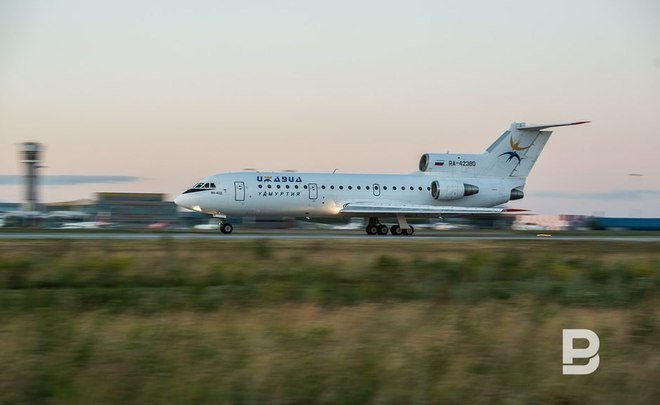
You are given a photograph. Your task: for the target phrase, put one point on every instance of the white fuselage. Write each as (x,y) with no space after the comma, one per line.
(446,184)
(324,194)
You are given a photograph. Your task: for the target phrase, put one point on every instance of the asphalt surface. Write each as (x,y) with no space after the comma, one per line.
(284,235)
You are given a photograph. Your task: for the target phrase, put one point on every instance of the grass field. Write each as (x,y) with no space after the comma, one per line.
(325,321)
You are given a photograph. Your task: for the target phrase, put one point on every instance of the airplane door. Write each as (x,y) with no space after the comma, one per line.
(313,191)
(376,189)
(239,188)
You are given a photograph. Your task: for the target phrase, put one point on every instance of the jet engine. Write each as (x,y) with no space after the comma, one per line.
(429,161)
(452,189)
(516,194)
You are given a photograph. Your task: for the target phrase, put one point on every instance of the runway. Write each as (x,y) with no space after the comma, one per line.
(322,236)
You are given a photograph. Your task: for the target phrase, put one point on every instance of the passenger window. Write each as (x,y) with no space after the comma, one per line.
(287,186)
(323,187)
(367,187)
(358,187)
(296,186)
(420,188)
(384,187)
(394,188)
(332,187)
(350,187)
(341,187)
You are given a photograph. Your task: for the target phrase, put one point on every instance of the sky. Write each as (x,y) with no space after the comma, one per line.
(147,96)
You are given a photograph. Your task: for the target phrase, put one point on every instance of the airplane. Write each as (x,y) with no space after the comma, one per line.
(446,184)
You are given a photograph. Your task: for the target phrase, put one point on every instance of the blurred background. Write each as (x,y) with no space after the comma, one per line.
(152,96)
(154,212)
(108,110)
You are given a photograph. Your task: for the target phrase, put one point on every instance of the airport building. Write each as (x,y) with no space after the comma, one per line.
(135,209)
(550,222)
(630,224)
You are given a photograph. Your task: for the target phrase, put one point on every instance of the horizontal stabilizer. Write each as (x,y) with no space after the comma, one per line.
(539,127)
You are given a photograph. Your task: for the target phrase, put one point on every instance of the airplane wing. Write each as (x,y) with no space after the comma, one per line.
(367,208)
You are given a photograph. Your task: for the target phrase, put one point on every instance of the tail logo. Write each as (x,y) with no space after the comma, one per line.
(512,155)
(516,148)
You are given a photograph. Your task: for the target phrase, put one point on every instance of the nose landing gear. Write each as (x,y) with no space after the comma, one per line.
(226,227)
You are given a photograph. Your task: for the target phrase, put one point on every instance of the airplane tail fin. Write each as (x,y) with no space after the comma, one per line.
(515,152)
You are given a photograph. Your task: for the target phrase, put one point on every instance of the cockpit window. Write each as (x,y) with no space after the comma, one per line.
(200,187)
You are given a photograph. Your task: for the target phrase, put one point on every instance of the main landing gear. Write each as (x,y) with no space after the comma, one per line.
(374,227)
(396,230)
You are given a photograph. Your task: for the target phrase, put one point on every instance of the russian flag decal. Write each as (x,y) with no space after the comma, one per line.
(439,162)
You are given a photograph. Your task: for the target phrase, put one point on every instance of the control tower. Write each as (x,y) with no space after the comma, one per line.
(30,155)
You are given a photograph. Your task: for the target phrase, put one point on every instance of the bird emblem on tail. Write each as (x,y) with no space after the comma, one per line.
(511,155)
(516,145)
(516,148)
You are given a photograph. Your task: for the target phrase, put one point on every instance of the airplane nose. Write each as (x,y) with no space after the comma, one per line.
(187,201)
(180,200)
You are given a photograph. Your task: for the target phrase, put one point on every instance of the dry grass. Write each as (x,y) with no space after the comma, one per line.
(328,322)
(423,352)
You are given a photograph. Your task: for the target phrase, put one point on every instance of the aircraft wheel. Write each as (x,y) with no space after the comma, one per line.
(382,229)
(408,232)
(372,229)
(395,230)
(226,228)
